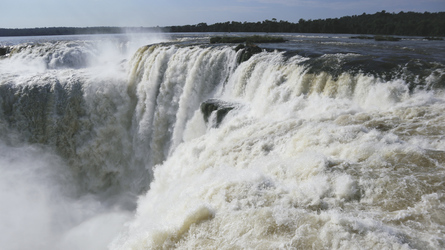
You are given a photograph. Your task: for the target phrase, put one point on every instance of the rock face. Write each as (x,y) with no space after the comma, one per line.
(4,51)
(217,107)
(248,51)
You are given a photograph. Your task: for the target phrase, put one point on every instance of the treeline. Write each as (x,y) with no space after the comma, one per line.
(381,23)
(54,31)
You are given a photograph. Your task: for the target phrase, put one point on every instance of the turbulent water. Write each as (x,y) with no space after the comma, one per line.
(161,142)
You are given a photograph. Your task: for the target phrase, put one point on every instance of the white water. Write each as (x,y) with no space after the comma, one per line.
(303,161)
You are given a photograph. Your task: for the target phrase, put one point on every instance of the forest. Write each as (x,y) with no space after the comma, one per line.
(380,23)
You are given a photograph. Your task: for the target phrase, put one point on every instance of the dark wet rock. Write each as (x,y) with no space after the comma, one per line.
(217,107)
(4,51)
(248,50)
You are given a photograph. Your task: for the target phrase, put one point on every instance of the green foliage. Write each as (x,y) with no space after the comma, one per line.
(386,38)
(362,37)
(380,23)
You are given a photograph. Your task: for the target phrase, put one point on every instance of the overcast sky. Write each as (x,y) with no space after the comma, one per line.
(148,13)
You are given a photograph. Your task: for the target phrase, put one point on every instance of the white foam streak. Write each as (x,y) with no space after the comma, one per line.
(211,69)
(307,161)
(170,83)
(302,159)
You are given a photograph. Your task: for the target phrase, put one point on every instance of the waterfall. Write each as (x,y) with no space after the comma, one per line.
(279,151)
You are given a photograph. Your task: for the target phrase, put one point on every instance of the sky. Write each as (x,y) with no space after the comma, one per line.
(152,13)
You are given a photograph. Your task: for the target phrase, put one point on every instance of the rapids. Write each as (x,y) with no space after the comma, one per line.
(108,145)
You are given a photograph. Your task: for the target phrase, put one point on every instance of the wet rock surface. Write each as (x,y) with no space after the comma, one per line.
(219,107)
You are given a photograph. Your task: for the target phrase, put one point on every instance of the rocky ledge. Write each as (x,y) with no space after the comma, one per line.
(214,111)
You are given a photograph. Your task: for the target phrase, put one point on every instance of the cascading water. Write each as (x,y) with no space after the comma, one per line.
(280,151)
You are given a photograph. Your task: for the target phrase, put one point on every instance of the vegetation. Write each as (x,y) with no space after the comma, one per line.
(362,37)
(381,23)
(378,38)
(386,38)
(246,39)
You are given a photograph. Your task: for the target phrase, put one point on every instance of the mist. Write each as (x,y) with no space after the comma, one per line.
(45,203)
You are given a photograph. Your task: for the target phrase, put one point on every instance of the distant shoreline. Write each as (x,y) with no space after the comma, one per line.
(381,23)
